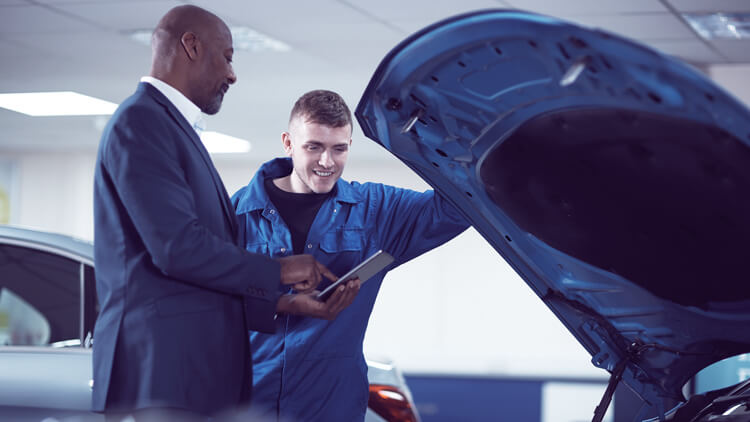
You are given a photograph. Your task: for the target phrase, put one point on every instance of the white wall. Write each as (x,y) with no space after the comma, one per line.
(55,192)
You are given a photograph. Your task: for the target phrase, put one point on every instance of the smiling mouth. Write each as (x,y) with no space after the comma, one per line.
(322,173)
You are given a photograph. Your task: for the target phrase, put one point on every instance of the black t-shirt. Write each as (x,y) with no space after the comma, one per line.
(298,210)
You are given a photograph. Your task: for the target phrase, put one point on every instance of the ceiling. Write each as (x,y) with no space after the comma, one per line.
(84,46)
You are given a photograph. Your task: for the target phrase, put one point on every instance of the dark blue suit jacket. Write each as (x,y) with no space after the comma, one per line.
(176,293)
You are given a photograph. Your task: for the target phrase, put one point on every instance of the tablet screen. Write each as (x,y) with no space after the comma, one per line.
(366,269)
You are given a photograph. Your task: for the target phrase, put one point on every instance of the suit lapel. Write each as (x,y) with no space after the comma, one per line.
(201,149)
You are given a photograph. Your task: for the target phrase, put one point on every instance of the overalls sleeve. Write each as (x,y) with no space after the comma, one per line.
(410,223)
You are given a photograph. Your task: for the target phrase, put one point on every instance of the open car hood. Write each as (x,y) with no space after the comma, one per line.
(614,179)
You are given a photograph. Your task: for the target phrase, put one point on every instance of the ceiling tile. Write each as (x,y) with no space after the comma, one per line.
(119,15)
(425,13)
(39,19)
(588,7)
(710,6)
(736,51)
(309,26)
(284,15)
(362,55)
(10,50)
(652,26)
(355,33)
(322,29)
(692,51)
(95,63)
(408,23)
(92,2)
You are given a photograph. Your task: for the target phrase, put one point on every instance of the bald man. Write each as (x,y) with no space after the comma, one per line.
(177,294)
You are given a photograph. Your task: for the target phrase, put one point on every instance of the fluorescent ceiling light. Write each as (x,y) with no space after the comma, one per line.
(219,143)
(243,38)
(720,25)
(65,103)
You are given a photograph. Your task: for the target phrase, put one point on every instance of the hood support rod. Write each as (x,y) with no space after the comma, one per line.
(614,380)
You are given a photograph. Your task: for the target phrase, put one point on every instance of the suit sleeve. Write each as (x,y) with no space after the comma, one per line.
(411,223)
(145,159)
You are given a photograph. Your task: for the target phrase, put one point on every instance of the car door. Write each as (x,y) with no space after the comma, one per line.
(46,318)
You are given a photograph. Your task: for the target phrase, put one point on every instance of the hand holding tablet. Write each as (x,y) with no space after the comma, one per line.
(366,269)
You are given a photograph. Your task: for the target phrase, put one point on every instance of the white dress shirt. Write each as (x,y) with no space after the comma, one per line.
(189,111)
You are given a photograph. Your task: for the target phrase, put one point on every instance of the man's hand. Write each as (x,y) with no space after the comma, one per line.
(303,271)
(306,304)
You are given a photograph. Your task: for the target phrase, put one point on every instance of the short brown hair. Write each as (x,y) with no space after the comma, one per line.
(322,107)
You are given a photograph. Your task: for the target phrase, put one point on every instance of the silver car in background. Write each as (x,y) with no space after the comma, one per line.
(48,307)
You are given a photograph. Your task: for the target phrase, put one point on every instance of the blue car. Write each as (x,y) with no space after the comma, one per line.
(614,179)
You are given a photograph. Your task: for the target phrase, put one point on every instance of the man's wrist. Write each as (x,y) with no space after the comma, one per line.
(282,306)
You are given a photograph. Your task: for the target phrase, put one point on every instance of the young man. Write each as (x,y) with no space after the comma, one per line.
(177,293)
(311,369)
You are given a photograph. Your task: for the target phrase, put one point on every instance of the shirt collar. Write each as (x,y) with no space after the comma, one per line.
(254,197)
(191,112)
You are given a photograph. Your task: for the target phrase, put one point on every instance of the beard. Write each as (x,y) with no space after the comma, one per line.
(212,107)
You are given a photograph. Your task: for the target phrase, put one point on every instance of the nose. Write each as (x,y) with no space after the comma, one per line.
(325,159)
(231,77)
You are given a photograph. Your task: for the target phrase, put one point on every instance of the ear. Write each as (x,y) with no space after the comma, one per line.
(191,45)
(286,143)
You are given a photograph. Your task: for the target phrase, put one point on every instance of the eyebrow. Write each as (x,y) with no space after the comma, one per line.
(318,143)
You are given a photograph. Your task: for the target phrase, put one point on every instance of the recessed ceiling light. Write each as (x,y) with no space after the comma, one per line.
(219,143)
(243,38)
(720,25)
(64,103)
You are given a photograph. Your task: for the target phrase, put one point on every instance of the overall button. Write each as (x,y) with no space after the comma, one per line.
(309,246)
(283,250)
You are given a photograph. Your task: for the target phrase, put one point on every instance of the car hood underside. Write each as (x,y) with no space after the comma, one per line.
(612,178)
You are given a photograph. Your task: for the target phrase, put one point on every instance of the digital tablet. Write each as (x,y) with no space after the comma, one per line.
(366,269)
